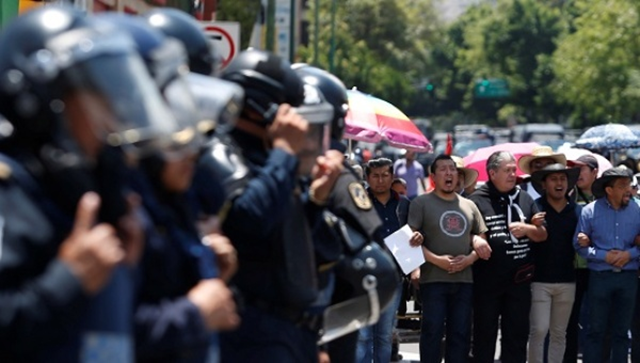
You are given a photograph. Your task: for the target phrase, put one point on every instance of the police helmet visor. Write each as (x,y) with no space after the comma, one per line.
(219,103)
(108,66)
(319,114)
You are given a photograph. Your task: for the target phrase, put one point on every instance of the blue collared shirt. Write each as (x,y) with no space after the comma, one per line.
(608,229)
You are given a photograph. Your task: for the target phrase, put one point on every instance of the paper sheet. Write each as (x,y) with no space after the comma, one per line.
(408,257)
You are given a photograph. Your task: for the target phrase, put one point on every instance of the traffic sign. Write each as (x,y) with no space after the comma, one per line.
(492,88)
(225,36)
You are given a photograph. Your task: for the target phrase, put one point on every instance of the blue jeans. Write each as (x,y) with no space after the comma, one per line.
(374,342)
(451,303)
(612,298)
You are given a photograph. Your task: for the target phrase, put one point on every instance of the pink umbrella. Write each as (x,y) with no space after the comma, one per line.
(478,160)
(372,119)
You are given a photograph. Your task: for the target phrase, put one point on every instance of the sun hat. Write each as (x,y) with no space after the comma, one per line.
(598,187)
(540,152)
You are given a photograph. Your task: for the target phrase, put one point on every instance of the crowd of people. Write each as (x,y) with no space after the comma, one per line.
(536,257)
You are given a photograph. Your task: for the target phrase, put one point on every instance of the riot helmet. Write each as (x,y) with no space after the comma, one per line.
(334,92)
(180,25)
(59,68)
(166,61)
(267,80)
(219,103)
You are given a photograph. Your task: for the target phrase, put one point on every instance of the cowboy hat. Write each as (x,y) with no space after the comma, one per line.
(598,186)
(540,152)
(470,175)
(538,177)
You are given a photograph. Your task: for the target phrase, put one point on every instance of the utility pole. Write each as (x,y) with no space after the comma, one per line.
(316,31)
(332,50)
(271,14)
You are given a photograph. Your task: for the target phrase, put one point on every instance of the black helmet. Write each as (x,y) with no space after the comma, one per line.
(180,25)
(54,57)
(268,81)
(334,92)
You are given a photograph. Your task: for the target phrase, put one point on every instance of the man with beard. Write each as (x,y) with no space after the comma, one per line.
(446,278)
(605,237)
(553,287)
(502,284)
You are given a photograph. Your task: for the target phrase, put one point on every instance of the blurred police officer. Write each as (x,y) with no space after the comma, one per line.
(181,299)
(266,222)
(69,86)
(361,231)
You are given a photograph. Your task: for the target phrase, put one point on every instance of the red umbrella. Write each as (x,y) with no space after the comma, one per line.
(478,160)
(372,119)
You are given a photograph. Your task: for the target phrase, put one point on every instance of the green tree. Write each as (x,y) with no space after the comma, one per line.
(596,66)
(380,46)
(512,41)
(243,11)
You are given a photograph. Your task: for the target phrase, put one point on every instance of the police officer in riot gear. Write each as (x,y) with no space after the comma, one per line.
(182,300)
(77,96)
(360,293)
(266,222)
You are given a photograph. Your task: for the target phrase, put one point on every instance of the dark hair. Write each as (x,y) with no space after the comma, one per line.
(433,166)
(379,163)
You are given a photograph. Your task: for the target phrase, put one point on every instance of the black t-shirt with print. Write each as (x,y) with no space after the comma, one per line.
(508,253)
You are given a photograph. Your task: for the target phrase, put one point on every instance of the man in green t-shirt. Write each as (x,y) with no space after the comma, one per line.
(450,225)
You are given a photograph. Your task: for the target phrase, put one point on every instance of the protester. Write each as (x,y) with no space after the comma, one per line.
(399,185)
(412,172)
(605,237)
(467,178)
(553,286)
(446,281)
(502,284)
(374,342)
(540,157)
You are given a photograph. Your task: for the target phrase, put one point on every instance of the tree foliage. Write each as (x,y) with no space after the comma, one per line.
(574,60)
(597,65)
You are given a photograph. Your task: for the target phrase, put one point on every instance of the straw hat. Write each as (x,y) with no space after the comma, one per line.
(470,175)
(540,152)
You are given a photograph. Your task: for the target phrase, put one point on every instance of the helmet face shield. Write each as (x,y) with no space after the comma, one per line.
(107,66)
(317,140)
(218,102)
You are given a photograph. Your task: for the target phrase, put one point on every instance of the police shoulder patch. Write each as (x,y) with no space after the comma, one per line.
(359,196)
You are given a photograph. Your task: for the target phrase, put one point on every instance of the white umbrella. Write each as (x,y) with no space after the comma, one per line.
(573,154)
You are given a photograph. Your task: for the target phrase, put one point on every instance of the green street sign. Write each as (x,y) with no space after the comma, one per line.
(492,88)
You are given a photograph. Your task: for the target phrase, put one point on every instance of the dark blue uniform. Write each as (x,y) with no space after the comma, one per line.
(45,314)
(168,326)
(267,213)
